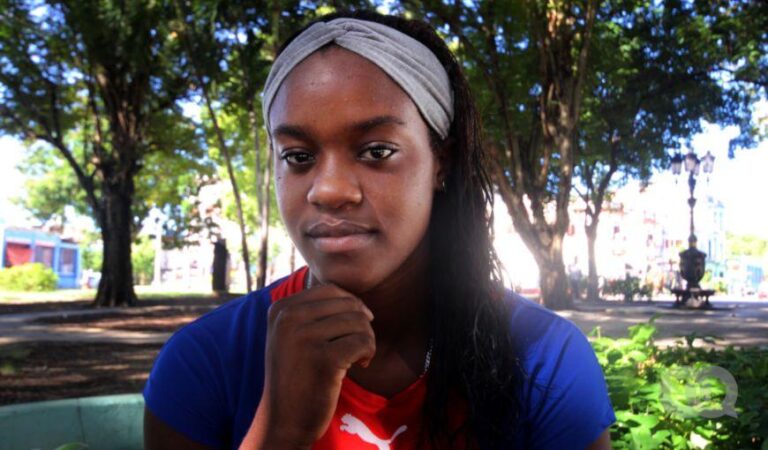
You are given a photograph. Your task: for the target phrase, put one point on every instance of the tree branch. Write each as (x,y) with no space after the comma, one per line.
(491,74)
(583,56)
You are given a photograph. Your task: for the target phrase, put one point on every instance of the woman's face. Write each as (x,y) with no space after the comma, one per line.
(354,170)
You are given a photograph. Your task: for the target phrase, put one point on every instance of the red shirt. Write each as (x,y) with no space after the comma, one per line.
(364,420)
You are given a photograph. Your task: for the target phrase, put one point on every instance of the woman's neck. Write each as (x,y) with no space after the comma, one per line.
(400,306)
(400,302)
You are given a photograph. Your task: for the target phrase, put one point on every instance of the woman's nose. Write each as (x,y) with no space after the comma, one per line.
(335,184)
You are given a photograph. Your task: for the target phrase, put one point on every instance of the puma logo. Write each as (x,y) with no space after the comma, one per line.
(353,425)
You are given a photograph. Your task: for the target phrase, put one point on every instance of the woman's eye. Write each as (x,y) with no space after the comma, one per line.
(297,158)
(376,153)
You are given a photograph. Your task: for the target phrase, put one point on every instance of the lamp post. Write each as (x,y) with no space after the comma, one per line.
(692,260)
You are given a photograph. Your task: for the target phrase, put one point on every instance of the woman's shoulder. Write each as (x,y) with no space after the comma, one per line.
(196,382)
(564,391)
(533,325)
(549,346)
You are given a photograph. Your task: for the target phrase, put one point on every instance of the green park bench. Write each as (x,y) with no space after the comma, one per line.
(113,422)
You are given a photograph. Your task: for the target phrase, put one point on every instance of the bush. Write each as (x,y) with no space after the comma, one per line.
(32,277)
(629,288)
(663,397)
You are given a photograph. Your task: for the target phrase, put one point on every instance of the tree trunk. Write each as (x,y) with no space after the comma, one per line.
(264,247)
(593,290)
(554,287)
(116,284)
(553,279)
(204,87)
(233,182)
(535,172)
(263,179)
(596,194)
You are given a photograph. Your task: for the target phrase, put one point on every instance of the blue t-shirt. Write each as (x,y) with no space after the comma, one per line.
(207,380)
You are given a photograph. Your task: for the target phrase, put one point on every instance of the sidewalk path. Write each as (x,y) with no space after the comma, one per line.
(15,328)
(738,323)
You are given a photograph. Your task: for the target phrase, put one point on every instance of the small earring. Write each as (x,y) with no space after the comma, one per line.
(443,185)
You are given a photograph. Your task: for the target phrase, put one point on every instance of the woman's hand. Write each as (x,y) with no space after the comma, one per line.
(313,338)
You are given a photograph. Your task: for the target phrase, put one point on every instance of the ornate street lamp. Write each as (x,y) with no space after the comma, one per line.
(677,163)
(692,260)
(691,162)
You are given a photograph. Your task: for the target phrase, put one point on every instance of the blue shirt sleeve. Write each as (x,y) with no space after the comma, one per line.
(565,393)
(184,388)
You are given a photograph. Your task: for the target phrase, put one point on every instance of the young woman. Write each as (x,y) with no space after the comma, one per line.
(398,334)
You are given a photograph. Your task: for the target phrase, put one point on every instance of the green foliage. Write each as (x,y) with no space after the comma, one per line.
(721,287)
(91,258)
(100,82)
(658,395)
(653,80)
(629,288)
(745,245)
(645,77)
(31,277)
(168,181)
(235,127)
(658,73)
(50,186)
(143,260)
(72,446)
(91,250)
(718,284)
(231,48)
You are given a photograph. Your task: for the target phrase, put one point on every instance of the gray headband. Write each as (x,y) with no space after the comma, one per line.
(410,63)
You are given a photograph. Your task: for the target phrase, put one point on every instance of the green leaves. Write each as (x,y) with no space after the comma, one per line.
(642,333)
(30,277)
(72,446)
(659,394)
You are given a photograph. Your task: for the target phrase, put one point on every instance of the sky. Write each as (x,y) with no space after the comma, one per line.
(11,182)
(740,183)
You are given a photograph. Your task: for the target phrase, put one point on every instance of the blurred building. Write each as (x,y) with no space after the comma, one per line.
(642,230)
(190,267)
(62,254)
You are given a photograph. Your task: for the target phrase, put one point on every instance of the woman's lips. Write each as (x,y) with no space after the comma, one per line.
(339,237)
(342,244)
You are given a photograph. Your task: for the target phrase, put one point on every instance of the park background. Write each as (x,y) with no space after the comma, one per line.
(133,130)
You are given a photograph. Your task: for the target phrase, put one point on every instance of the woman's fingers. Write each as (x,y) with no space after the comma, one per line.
(316,310)
(325,333)
(313,338)
(353,348)
(317,304)
(338,325)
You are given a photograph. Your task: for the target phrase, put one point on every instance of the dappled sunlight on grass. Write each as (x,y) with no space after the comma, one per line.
(59,295)
(71,295)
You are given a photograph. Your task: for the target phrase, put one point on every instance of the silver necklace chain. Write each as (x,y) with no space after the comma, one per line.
(427,358)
